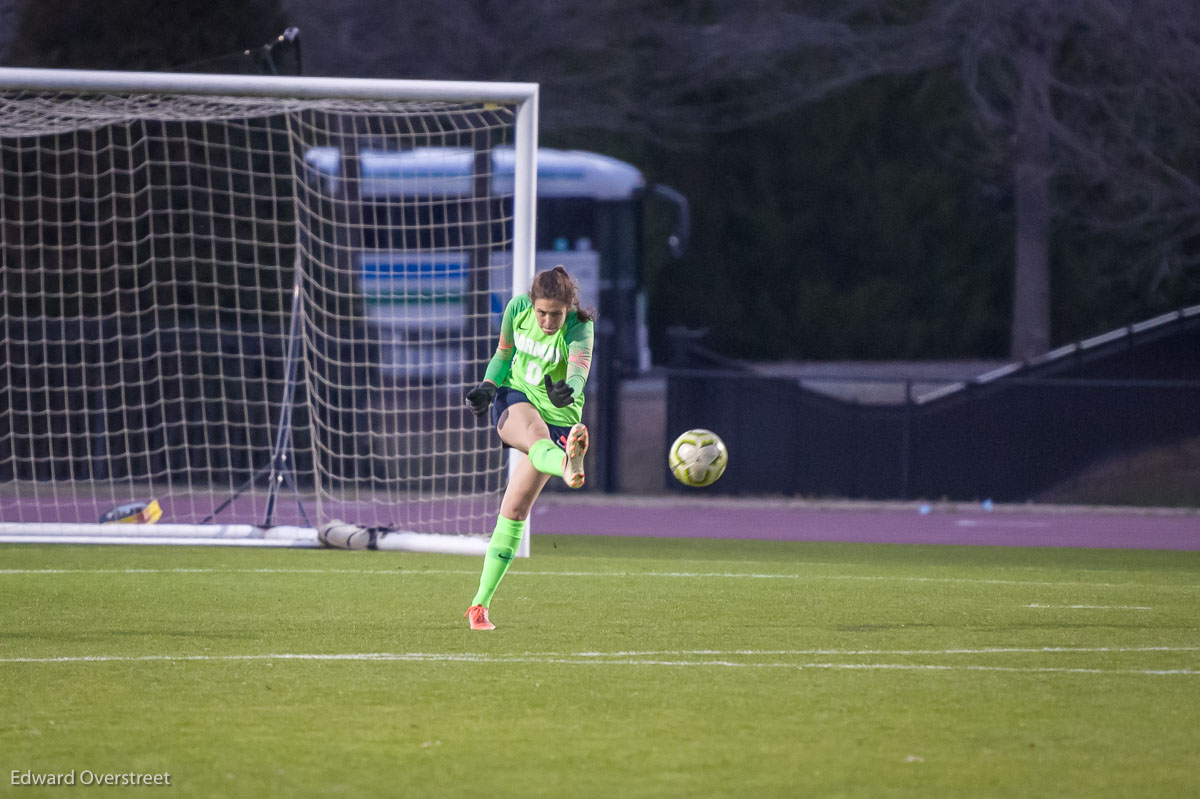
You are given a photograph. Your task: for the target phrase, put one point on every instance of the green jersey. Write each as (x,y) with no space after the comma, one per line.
(525,355)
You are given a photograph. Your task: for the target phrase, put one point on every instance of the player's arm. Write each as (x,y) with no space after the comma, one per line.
(480,397)
(579,365)
(579,356)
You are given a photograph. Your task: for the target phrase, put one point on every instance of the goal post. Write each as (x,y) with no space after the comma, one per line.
(257,301)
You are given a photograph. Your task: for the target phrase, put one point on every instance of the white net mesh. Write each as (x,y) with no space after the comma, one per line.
(149,254)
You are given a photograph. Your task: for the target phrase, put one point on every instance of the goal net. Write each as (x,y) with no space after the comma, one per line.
(245,304)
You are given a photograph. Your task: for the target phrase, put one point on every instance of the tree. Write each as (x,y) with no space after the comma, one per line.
(1088,107)
(1092,107)
(153,172)
(1098,104)
(139,34)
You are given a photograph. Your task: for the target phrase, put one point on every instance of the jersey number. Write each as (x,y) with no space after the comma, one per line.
(533,373)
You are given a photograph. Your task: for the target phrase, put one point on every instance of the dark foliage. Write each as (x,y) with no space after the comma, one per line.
(140,34)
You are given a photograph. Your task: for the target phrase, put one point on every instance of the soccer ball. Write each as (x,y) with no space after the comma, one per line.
(698,458)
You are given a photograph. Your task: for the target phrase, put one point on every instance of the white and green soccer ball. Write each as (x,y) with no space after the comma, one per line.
(698,458)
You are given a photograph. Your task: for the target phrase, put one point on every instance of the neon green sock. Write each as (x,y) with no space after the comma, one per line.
(546,457)
(500,552)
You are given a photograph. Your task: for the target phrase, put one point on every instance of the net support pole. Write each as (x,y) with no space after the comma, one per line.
(281,469)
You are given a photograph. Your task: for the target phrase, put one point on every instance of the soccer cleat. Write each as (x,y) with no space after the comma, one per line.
(577,443)
(477,615)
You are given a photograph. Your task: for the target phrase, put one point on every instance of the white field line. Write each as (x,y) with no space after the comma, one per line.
(990,650)
(1089,607)
(612,574)
(575,660)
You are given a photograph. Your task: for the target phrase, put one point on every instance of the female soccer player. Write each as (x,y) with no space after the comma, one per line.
(534,386)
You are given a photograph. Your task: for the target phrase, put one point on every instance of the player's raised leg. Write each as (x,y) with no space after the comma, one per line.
(522,428)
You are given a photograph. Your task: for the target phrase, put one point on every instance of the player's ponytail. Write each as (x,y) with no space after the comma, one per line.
(556,284)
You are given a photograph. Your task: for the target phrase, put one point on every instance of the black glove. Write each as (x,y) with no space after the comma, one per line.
(560,393)
(480,398)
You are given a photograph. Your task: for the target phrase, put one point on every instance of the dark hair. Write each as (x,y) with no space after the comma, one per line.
(556,284)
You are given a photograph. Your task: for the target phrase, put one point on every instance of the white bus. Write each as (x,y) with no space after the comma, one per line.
(414,271)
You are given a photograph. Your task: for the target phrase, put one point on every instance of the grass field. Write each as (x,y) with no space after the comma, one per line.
(621,668)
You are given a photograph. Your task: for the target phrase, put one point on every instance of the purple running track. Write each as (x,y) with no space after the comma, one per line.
(769,520)
(1016,526)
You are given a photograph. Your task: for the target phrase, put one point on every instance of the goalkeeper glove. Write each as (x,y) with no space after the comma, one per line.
(480,398)
(560,393)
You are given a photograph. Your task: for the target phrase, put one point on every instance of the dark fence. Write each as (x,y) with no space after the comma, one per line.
(1007,437)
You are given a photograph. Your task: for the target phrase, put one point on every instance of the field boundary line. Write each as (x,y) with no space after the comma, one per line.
(577,660)
(613,574)
(990,650)
(1038,606)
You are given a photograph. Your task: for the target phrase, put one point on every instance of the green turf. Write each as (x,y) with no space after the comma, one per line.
(621,668)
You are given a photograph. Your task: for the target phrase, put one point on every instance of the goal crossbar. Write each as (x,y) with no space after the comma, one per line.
(107,81)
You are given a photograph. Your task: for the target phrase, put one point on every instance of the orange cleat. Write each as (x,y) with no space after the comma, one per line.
(477,615)
(577,444)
